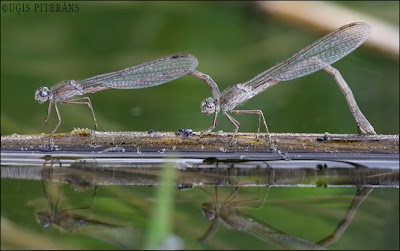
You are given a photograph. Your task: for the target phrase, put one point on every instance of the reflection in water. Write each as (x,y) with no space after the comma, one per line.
(79,180)
(72,222)
(129,178)
(229,214)
(361,195)
(85,174)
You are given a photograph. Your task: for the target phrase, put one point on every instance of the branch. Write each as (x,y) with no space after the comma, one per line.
(87,140)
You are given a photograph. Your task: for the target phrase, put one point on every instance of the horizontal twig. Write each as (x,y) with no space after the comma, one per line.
(87,140)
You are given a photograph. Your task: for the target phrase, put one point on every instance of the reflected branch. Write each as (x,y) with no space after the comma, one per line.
(87,173)
(239,221)
(229,214)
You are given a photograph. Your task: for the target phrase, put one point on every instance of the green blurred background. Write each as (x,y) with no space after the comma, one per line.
(233,41)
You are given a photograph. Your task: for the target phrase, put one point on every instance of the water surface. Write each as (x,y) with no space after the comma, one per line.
(190,201)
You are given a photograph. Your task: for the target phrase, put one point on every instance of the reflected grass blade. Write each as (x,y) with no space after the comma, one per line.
(160,227)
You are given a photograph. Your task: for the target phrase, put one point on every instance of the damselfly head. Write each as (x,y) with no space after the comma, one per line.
(208,210)
(44,218)
(208,106)
(42,95)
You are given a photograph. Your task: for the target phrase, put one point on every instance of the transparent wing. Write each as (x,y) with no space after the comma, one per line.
(318,55)
(145,75)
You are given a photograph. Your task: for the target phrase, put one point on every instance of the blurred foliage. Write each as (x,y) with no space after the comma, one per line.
(233,41)
(385,10)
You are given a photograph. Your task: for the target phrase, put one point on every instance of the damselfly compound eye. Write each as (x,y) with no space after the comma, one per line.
(42,95)
(208,106)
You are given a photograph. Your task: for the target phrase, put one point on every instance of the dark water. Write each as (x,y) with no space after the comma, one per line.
(190,201)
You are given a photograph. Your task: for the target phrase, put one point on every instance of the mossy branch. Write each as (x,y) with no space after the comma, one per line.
(87,140)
